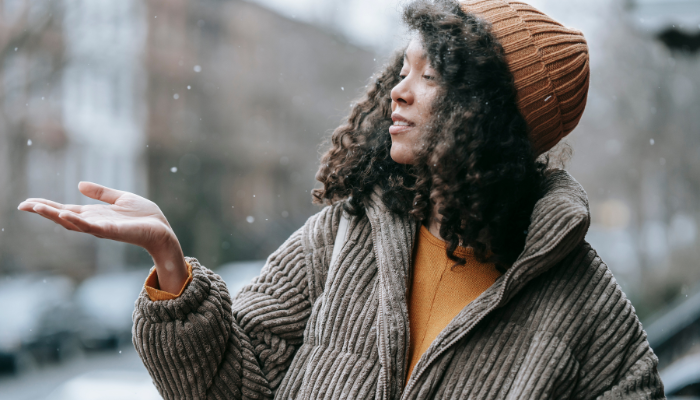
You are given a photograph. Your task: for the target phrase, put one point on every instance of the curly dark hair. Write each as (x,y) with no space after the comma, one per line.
(475,161)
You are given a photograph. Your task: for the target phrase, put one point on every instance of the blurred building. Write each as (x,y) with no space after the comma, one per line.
(637,149)
(240,99)
(104,110)
(32,52)
(83,119)
(674,331)
(215,110)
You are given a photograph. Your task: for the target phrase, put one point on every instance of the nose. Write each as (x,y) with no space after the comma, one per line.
(402,93)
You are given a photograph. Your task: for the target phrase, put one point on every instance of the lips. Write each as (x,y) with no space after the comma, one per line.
(400,125)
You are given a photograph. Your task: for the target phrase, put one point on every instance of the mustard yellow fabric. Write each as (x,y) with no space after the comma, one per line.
(153,288)
(440,291)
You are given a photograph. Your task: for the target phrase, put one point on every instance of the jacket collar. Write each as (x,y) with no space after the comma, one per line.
(559,222)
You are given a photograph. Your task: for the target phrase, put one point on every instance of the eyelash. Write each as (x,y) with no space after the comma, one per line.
(428,77)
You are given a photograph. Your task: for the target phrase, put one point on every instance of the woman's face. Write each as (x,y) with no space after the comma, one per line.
(411,100)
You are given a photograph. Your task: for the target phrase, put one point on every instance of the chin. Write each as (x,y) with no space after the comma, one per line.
(401,154)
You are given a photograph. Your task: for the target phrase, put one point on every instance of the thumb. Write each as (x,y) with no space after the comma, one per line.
(99,192)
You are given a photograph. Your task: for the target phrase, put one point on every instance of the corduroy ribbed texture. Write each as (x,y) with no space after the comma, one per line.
(549,63)
(556,325)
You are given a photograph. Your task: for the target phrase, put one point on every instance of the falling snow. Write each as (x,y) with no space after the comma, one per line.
(250,219)
(197,68)
(173,170)
(29,142)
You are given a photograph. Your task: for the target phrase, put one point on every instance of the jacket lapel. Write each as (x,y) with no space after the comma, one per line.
(393,239)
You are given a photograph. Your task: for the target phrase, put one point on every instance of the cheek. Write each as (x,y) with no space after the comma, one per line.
(424,101)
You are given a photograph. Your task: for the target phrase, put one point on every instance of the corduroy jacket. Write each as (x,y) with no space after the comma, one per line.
(555,326)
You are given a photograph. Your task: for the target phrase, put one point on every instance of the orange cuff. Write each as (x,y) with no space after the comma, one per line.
(153,288)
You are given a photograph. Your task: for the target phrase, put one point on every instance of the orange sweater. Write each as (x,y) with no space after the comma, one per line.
(439,292)
(153,287)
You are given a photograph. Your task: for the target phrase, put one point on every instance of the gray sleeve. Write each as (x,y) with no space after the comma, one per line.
(204,345)
(617,361)
(640,381)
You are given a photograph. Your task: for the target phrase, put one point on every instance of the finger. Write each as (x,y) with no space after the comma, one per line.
(80,223)
(27,206)
(99,192)
(70,207)
(52,214)
(67,225)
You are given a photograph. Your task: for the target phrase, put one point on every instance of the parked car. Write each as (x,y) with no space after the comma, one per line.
(238,274)
(107,385)
(107,302)
(36,321)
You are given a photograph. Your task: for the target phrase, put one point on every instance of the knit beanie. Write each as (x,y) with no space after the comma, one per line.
(549,63)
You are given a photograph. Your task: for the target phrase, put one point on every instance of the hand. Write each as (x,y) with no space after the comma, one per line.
(125,218)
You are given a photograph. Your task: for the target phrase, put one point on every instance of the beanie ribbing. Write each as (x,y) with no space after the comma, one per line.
(549,63)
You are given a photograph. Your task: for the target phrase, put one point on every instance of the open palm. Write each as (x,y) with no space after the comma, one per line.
(126,217)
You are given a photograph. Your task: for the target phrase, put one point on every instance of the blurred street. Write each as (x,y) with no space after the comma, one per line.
(41,383)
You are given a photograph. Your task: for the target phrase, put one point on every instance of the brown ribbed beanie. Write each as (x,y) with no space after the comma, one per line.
(549,63)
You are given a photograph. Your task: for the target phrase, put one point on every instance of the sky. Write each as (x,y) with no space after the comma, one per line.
(376,24)
(373,24)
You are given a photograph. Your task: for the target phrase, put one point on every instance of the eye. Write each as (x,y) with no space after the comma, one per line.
(402,77)
(428,77)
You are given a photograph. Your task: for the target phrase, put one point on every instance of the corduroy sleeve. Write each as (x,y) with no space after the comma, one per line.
(640,381)
(203,345)
(618,362)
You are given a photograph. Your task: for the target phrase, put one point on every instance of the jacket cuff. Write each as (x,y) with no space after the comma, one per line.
(153,288)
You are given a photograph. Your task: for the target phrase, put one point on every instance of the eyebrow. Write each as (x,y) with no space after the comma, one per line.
(424,56)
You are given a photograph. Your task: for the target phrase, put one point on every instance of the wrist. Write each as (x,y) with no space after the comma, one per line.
(171,267)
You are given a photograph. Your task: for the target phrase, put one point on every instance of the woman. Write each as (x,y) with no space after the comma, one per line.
(463,272)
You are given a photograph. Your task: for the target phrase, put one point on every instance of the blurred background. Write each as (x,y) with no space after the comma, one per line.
(217,111)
